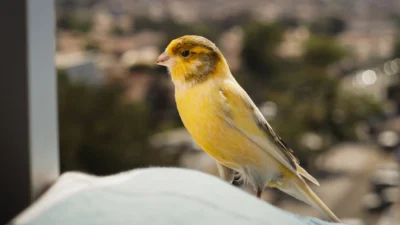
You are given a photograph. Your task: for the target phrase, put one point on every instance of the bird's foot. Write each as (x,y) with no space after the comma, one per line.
(237,181)
(259,192)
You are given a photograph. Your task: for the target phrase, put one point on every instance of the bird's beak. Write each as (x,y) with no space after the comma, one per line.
(163,59)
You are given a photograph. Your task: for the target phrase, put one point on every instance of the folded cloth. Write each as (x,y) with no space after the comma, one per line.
(154,196)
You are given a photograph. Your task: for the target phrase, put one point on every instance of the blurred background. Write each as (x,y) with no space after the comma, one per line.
(324,73)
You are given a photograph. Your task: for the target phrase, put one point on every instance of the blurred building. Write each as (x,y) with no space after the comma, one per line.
(139,63)
(374,81)
(79,66)
(369,39)
(69,42)
(231,46)
(292,45)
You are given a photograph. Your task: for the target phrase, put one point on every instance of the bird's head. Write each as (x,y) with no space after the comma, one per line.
(193,59)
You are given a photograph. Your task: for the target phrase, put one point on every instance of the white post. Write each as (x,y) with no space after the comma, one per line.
(29,159)
(42,95)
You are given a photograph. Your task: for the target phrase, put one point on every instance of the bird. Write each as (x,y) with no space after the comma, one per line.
(225,122)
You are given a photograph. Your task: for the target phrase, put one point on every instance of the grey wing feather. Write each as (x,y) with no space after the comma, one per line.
(264,125)
(287,152)
(284,154)
(280,151)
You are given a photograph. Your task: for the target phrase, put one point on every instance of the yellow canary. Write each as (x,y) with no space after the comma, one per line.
(225,122)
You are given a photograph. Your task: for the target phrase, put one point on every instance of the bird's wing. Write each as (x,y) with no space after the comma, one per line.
(238,108)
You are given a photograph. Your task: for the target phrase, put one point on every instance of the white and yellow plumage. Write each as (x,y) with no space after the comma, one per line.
(224,122)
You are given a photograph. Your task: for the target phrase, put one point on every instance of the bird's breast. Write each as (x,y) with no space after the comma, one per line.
(201,112)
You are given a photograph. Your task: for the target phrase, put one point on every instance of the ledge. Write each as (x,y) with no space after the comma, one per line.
(152,196)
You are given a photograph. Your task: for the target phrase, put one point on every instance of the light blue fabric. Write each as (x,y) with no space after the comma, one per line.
(166,196)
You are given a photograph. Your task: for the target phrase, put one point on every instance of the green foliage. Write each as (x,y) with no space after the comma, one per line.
(395,18)
(100,133)
(311,101)
(322,51)
(306,95)
(259,49)
(305,104)
(174,30)
(144,23)
(288,22)
(330,26)
(351,109)
(117,31)
(396,49)
(237,19)
(73,22)
(92,45)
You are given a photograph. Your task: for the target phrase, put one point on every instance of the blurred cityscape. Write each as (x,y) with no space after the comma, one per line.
(324,73)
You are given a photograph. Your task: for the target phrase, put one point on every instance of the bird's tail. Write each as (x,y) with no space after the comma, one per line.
(299,189)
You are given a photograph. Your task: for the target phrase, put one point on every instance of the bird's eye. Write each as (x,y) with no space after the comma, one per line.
(185,53)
